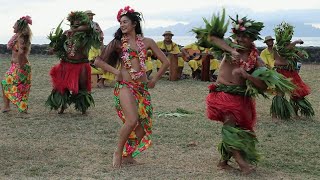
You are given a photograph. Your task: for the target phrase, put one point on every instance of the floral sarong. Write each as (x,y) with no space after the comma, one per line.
(143,99)
(16,85)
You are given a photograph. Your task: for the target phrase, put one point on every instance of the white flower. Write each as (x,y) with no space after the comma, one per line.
(247,24)
(123,12)
(237,26)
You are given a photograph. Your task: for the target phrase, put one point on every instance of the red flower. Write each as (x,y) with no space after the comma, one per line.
(212,87)
(27,19)
(124,11)
(133,53)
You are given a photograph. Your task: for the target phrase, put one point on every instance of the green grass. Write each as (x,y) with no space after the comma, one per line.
(43,144)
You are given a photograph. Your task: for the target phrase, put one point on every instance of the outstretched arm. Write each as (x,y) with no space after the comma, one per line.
(69,32)
(294,43)
(81,28)
(223,45)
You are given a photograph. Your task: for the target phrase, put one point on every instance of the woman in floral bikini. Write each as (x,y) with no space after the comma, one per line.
(17,80)
(132,99)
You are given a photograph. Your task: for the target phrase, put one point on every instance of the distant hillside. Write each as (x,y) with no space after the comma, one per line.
(299,18)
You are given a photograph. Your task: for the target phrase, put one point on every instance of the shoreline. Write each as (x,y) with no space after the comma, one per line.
(42,49)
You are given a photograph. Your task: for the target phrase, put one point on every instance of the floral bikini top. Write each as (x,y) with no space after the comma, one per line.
(128,54)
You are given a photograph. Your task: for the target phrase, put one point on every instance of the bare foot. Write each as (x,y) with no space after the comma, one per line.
(5,110)
(84,113)
(297,117)
(247,170)
(275,120)
(223,165)
(244,166)
(129,160)
(116,162)
(61,110)
(100,84)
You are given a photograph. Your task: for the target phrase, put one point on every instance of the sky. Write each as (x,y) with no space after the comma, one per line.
(47,14)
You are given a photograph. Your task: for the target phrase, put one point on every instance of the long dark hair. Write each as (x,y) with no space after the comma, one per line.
(135,17)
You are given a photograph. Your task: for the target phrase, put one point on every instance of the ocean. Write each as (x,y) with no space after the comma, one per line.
(181,40)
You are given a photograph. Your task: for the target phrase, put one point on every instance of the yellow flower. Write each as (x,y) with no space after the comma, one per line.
(9,80)
(14,89)
(132,135)
(142,111)
(23,106)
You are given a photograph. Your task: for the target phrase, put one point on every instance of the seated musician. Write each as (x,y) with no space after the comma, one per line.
(168,46)
(193,53)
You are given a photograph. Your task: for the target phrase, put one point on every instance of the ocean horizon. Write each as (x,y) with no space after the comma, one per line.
(181,40)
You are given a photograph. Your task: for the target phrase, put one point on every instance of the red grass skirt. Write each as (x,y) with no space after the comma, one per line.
(241,108)
(66,76)
(302,89)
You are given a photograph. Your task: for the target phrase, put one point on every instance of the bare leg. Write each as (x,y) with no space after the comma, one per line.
(6,102)
(180,70)
(223,164)
(244,166)
(62,110)
(83,81)
(130,111)
(295,108)
(149,73)
(213,77)
(139,133)
(101,83)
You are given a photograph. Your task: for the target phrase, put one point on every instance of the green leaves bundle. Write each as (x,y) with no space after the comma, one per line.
(283,34)
(216,26)
(86,39)
(57,42)
(273,80)
(57,100)
(234,138)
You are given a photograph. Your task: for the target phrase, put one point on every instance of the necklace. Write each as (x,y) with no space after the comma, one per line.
(128,54)
(251,61)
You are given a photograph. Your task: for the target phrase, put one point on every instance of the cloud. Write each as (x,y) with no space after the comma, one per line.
(47,14)
(314,25)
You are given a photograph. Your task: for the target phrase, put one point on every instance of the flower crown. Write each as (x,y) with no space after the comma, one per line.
(246,26)
(78,15)
(24,21)
(124,11)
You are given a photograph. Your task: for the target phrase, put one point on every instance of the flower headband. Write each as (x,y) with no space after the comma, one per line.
(24,21)
(246,26)
(124,11)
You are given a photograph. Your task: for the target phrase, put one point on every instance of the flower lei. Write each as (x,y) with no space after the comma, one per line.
(252,60)
(12,42)
(71,47)
(128,54)
(124,11)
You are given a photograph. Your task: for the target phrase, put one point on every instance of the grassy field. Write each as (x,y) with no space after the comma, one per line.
(45,145)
